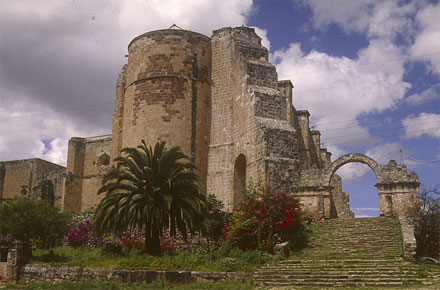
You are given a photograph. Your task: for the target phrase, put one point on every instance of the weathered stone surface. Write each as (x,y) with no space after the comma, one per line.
(44,272)
(32,178)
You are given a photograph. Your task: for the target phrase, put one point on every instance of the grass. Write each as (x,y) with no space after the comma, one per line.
(110,285)
(223,259)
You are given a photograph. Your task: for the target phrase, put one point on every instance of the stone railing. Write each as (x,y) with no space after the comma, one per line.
(409,240)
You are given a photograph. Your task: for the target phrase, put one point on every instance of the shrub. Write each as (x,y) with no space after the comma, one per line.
(33,221)
(263,219)
(217,216)
(83,235)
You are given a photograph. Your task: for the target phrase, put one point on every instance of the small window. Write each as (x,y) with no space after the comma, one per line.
(23,190)
(103,160)
(3,255)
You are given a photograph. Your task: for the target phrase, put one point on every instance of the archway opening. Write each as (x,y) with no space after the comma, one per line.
(239,178)
(354,192)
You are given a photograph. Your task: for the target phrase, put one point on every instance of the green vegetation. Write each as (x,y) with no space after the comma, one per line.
(152,189)
(222,259)
(33,221)
(424,215)
(109,285)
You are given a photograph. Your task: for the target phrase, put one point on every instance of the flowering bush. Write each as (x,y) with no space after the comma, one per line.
(264,219)
(130,244)
(83,235)
(166,246)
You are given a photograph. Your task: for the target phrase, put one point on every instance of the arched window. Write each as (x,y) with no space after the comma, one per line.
(239,178)
(103,160)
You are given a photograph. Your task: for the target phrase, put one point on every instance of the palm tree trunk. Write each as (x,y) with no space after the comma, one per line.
(152,240)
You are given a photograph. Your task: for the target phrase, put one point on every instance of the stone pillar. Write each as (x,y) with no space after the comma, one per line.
(18,254)
(303,120)
(286,89)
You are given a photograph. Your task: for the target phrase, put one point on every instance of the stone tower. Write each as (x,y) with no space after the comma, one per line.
(163,94)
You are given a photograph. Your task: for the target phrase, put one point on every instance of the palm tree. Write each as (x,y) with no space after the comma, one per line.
(151,190)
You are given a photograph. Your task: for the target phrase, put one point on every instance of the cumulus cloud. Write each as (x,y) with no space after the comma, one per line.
(425,96)
(422,124)
(63,58)
(351,86)
(368,83)
(427,43)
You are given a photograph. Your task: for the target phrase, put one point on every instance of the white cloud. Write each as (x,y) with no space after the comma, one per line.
(263,34)
(349,87)
(424,123)
(425,96)
(427,41)
(352,16)
(67,54)
(384,152)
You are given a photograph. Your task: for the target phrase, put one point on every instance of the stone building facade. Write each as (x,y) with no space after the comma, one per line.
(32,178)
(220,100)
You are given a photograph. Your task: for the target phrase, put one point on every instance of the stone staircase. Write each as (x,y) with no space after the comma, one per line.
(351,252)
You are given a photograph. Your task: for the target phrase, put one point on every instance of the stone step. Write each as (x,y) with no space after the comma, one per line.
(333,284)
(353,253)
(293,279)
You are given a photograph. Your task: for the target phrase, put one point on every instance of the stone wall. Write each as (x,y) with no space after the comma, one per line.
(35,178)
(87,161)
(47,273)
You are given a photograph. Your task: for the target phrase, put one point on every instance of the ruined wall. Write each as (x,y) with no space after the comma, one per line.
(163,94)
(340,200)
(248,117)
(87,161)
(32,178)
(397,188)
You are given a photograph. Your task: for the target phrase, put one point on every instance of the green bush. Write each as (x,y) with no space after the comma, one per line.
(217,216)
(33,221)
(263,219)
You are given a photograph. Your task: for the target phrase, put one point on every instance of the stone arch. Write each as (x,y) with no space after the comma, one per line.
(353,157)
(239,178)
(104,160)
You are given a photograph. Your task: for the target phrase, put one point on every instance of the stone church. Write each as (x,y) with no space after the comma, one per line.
(219,98)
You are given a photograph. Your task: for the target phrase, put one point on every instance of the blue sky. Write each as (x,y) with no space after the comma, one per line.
(368,71)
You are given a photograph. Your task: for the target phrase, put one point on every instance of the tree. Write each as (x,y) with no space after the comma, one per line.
(424,215)
(152,189)
(32,221)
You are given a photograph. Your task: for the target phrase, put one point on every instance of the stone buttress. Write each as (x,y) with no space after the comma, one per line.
(251,139)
